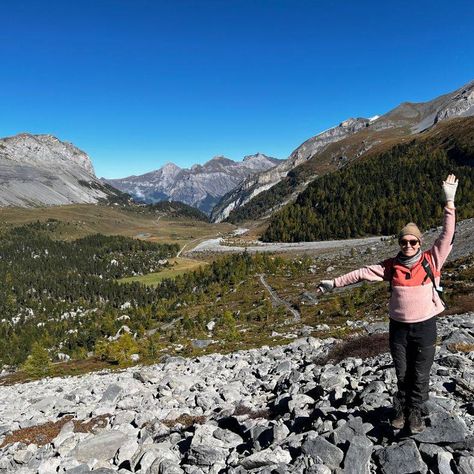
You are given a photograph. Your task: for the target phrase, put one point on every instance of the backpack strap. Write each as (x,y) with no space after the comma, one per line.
(389,272)
(429,273)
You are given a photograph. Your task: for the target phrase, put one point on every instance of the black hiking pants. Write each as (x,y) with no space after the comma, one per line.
(413,346)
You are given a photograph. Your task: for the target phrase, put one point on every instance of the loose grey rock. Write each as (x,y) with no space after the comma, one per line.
(80,469)
(102,446)
(280,432)
(320,449)
(299,401)
(444,428)
(318,469)
(229,438)
(104,470)
(466,465)
(358,455)
(111,394)
(403,458)
(207,455)
(167,467)
(457,336)
(429,452)
(49,466)
(444,462)
(126,451)
(266,457)
(66,431)
(23,456)
(378,327)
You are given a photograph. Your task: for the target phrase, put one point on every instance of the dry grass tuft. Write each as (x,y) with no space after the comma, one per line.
(361,347)
(461,347)
(44,434)
(92,425)
(186,420)
(241,410)
(461,303)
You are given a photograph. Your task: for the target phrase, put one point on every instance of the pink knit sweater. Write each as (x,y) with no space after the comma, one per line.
(411,301)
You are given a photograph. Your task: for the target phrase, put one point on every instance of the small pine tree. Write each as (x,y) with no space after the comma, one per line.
(38,364)
(229,326)
(117,352)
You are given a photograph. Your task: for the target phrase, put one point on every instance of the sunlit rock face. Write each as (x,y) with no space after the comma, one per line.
(38,170)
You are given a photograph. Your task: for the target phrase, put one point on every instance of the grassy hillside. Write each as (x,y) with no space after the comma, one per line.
(379,194)
(177,266)
(80,220)
(178,209)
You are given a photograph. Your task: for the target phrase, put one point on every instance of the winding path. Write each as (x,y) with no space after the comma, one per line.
(279,301)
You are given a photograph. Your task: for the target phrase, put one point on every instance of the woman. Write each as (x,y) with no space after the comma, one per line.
(415,301)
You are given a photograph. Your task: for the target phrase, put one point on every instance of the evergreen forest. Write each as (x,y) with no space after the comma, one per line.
(65,296)
(453,139)
(377,196)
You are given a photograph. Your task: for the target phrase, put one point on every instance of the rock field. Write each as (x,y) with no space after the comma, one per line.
(262,411)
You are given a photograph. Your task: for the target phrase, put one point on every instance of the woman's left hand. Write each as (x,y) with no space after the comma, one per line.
(449,188)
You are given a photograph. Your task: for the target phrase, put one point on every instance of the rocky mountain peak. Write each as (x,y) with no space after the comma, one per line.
(354,122)
(461,104)
(43,170)
(167,171)
(44,150)
(219,160)
(260,160)
(351,139)
(200,186)
(256,156)
(169,166)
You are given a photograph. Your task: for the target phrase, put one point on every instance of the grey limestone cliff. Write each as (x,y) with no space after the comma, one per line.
(37,170)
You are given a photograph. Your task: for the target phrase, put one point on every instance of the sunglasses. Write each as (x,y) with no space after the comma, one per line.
(412,242)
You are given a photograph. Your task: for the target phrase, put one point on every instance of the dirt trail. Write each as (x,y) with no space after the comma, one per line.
(277,301)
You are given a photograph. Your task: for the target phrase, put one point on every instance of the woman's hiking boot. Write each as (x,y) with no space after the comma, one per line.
(415,421)
(398,420)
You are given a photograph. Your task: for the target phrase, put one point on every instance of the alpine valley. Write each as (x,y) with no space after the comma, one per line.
(130,344)
(38,170)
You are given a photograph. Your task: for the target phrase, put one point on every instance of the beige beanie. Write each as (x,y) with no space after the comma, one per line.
(410,229)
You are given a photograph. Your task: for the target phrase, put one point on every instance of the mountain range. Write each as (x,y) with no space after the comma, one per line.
(38,170)
(335,148)
(200,186)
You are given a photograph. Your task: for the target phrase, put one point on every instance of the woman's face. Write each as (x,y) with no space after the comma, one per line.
(409,244)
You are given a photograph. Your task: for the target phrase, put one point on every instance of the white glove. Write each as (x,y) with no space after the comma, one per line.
(449,187)
(326,285)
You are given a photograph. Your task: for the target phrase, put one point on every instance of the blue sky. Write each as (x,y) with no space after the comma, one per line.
(139,83)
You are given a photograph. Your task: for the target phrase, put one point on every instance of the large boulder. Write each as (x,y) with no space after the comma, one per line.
(321,450)
(444,428)
(403,458)
(267,457)
(102,446)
